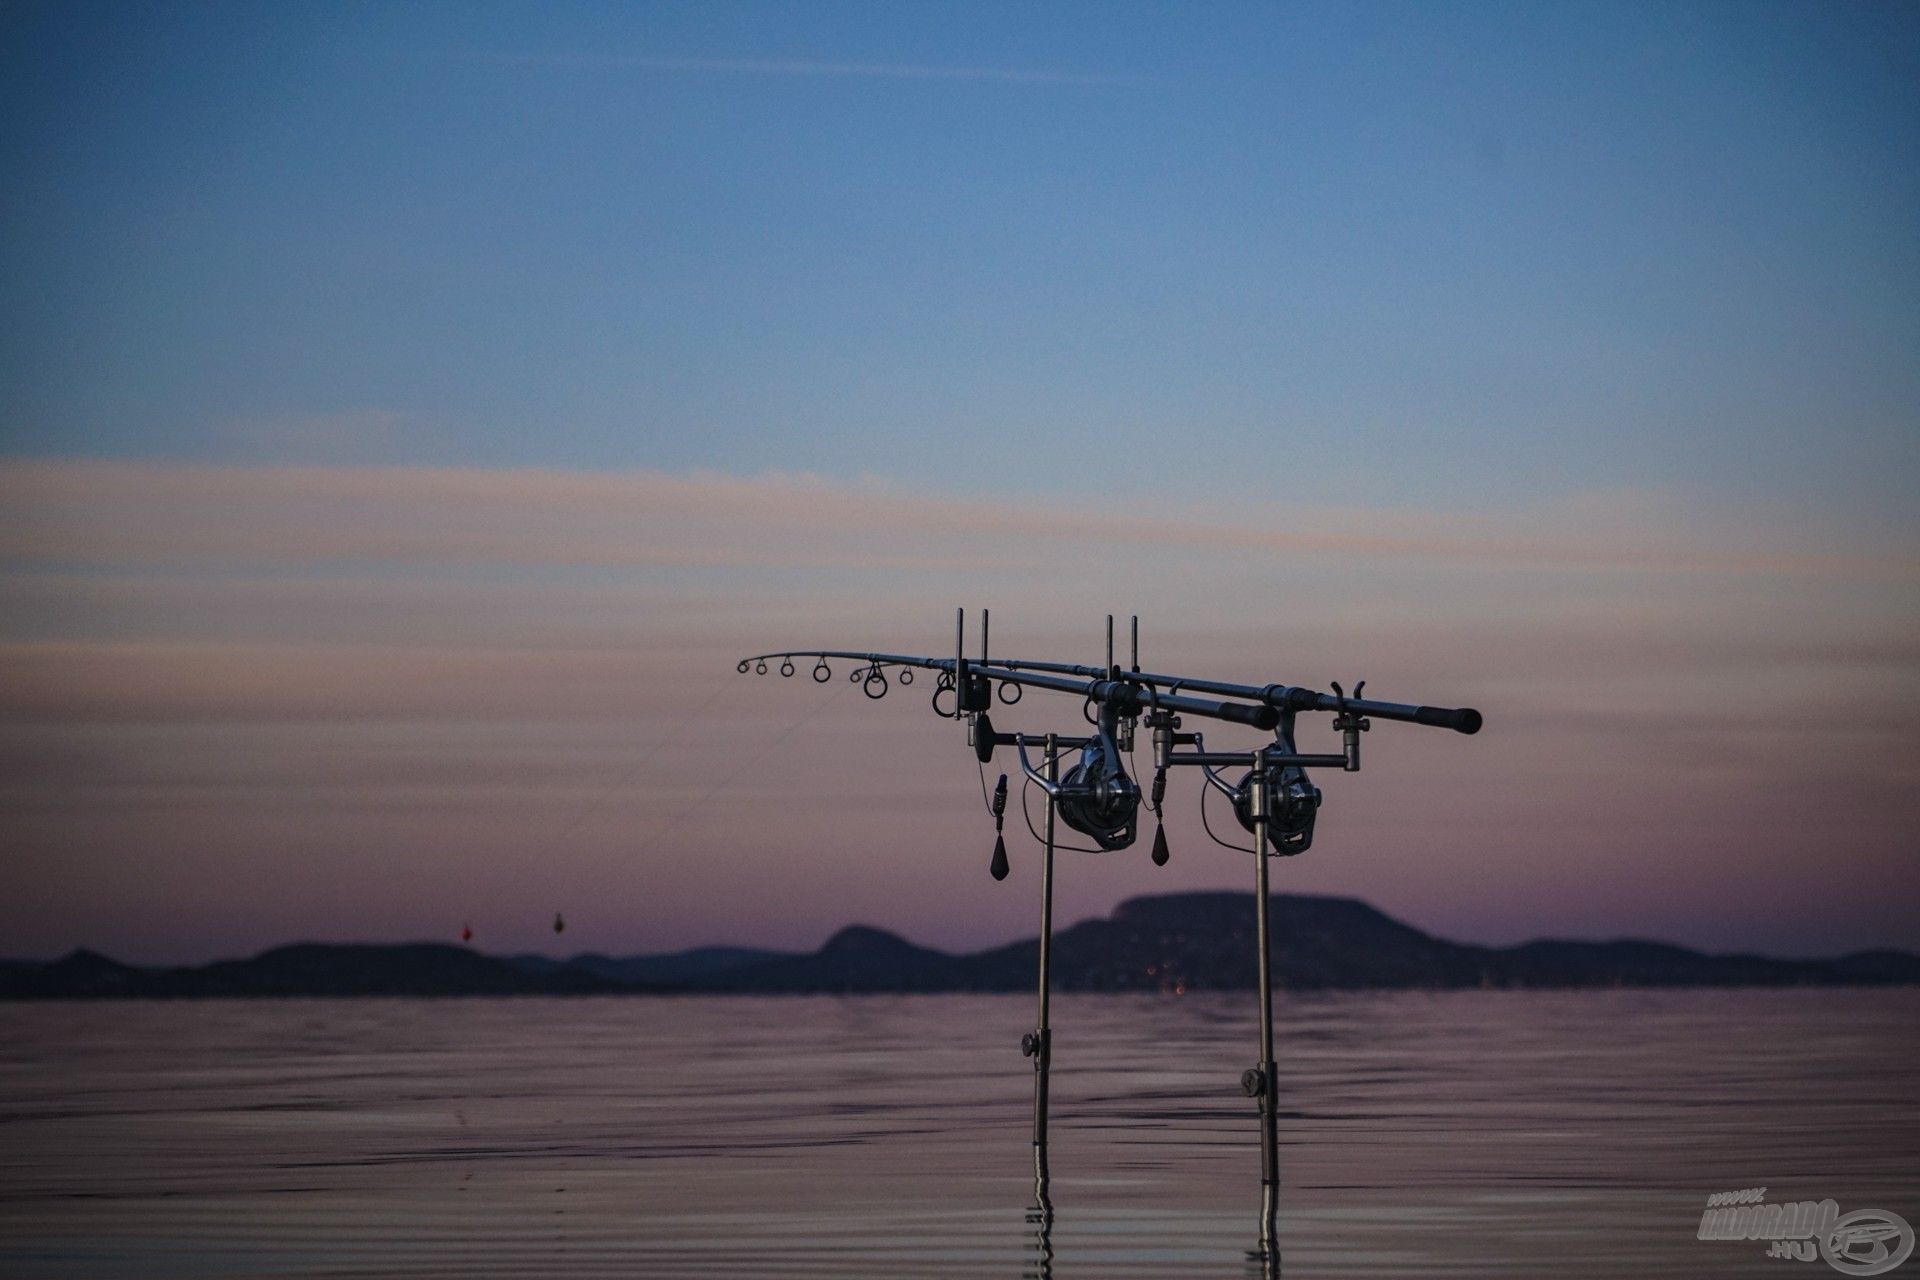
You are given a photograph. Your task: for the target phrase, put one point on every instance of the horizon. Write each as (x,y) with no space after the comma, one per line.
(411,412)
(477,946)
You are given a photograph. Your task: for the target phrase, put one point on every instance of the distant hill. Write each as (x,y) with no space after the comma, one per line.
(856,959)
(668,968)
(304,969)
(1185,941)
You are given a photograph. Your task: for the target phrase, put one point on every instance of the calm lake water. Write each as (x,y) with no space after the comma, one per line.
(1467,1134)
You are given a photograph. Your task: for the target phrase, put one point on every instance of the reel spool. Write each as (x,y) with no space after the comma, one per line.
(1099,800)
(1292,805)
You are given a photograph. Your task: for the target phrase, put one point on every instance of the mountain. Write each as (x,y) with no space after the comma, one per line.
(856,959)
(305,969)
(1205,941)
(667,968)
(1169,942)
(78,974)
(1873,968)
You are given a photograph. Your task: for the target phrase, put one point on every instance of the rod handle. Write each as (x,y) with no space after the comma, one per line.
(1459,719)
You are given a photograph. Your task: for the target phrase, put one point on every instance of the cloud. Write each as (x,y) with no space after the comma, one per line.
(356,436)
(134,513)
(793,67)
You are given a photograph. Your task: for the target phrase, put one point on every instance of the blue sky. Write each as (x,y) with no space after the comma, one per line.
(406,412)
(1458,255)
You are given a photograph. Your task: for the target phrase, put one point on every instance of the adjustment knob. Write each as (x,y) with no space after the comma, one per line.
(1029,1044)
(1253,1082)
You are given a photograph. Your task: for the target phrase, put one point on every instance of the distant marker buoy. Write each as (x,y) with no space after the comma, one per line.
(466,933)
(559,923)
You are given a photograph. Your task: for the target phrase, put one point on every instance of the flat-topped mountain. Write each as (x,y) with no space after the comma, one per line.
(1168,942)
(858,958)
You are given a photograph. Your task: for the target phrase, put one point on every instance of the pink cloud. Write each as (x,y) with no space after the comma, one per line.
(160,513)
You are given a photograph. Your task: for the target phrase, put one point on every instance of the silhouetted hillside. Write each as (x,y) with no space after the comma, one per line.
(1205,941)
(1185,942)
(305,969)
(667,969)
(856,959)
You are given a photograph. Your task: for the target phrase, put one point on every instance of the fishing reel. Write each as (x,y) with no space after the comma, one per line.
(1292,805)
(1098,799)
(1288,801)
(1095,796)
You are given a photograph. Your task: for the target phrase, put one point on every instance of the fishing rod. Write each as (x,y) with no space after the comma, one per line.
(1273,798)
(1279,696)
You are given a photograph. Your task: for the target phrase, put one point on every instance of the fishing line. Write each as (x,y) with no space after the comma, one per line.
(624,781)
(680,815)
(1209,826)
(628,777)
(984,798)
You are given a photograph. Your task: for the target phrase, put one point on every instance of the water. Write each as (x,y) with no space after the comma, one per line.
(1469,1134)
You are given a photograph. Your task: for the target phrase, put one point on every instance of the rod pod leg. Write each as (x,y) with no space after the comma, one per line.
(1039,1043)
(1260,1082)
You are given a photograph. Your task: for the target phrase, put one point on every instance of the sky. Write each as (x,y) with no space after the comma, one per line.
(408,413)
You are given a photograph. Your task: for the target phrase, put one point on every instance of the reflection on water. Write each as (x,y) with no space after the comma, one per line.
(1040,1219)
(1468,1134)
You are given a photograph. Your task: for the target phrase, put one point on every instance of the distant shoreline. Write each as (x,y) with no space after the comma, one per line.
(624,994)
(1174,944)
